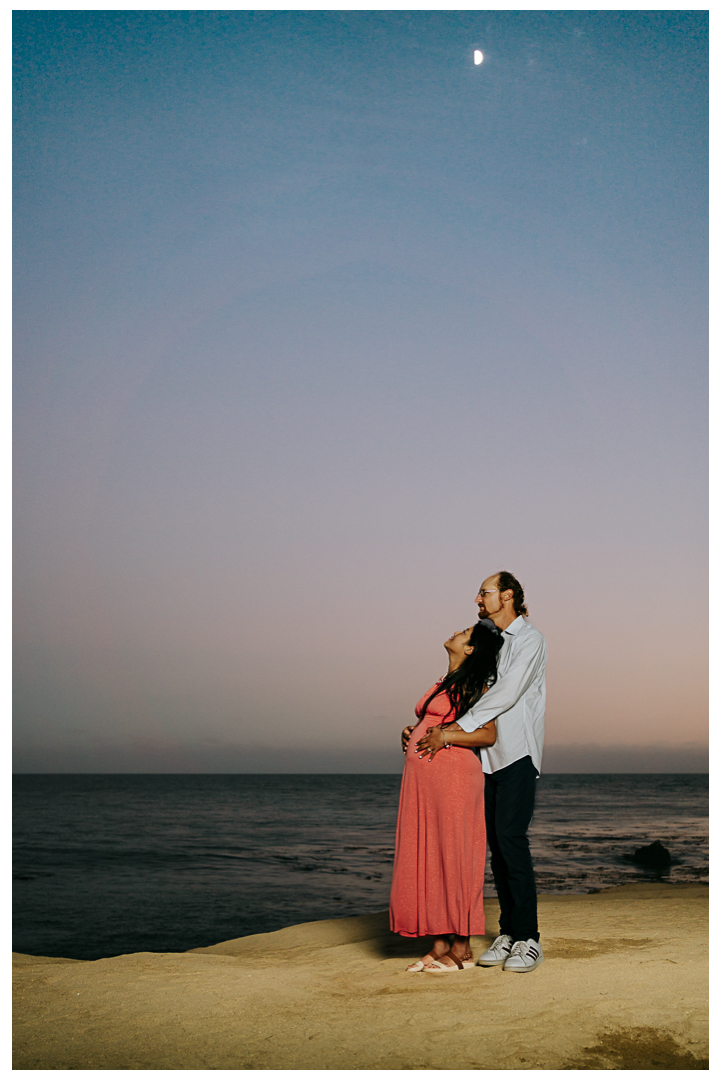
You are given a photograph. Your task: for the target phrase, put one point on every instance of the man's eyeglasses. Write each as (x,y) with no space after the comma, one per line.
(486,592)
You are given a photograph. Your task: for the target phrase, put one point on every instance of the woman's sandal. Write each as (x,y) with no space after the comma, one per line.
(437,968)
(420,966)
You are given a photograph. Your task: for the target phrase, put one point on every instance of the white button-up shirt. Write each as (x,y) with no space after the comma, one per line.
(516,701)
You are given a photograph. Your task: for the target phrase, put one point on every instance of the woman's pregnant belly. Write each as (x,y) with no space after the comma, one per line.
(457,757)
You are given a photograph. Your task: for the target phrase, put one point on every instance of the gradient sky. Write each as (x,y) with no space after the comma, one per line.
(317,325)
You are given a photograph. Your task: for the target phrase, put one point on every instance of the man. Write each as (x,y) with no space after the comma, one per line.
(511,767)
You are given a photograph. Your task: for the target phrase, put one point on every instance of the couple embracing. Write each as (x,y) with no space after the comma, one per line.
(472,762)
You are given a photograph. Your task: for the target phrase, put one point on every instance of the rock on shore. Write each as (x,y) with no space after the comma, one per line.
(624,986)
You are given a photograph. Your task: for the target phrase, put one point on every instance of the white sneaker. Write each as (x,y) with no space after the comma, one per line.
(498,952)
(524,956)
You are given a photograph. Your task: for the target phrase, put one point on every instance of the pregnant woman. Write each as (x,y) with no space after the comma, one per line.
(437,886)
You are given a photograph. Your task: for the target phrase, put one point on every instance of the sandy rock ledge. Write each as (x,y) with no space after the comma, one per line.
(624,986)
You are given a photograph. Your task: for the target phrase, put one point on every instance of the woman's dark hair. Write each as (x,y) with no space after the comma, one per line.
(509,581)
(478,670)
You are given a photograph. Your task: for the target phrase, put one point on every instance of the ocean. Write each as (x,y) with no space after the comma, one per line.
(114,864)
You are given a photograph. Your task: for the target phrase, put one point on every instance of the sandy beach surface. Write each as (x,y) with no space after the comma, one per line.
(624,986)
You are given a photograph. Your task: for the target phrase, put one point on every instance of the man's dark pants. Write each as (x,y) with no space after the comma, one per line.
(509,805)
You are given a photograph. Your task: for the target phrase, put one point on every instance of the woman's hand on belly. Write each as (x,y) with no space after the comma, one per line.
(405,737)
(431,742)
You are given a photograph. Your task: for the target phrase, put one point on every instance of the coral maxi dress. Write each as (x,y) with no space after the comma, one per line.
(437,885)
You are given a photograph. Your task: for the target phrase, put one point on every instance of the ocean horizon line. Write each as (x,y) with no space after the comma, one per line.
(306,772)
(161,754)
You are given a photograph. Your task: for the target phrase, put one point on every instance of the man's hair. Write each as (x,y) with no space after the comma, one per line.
(506,580)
